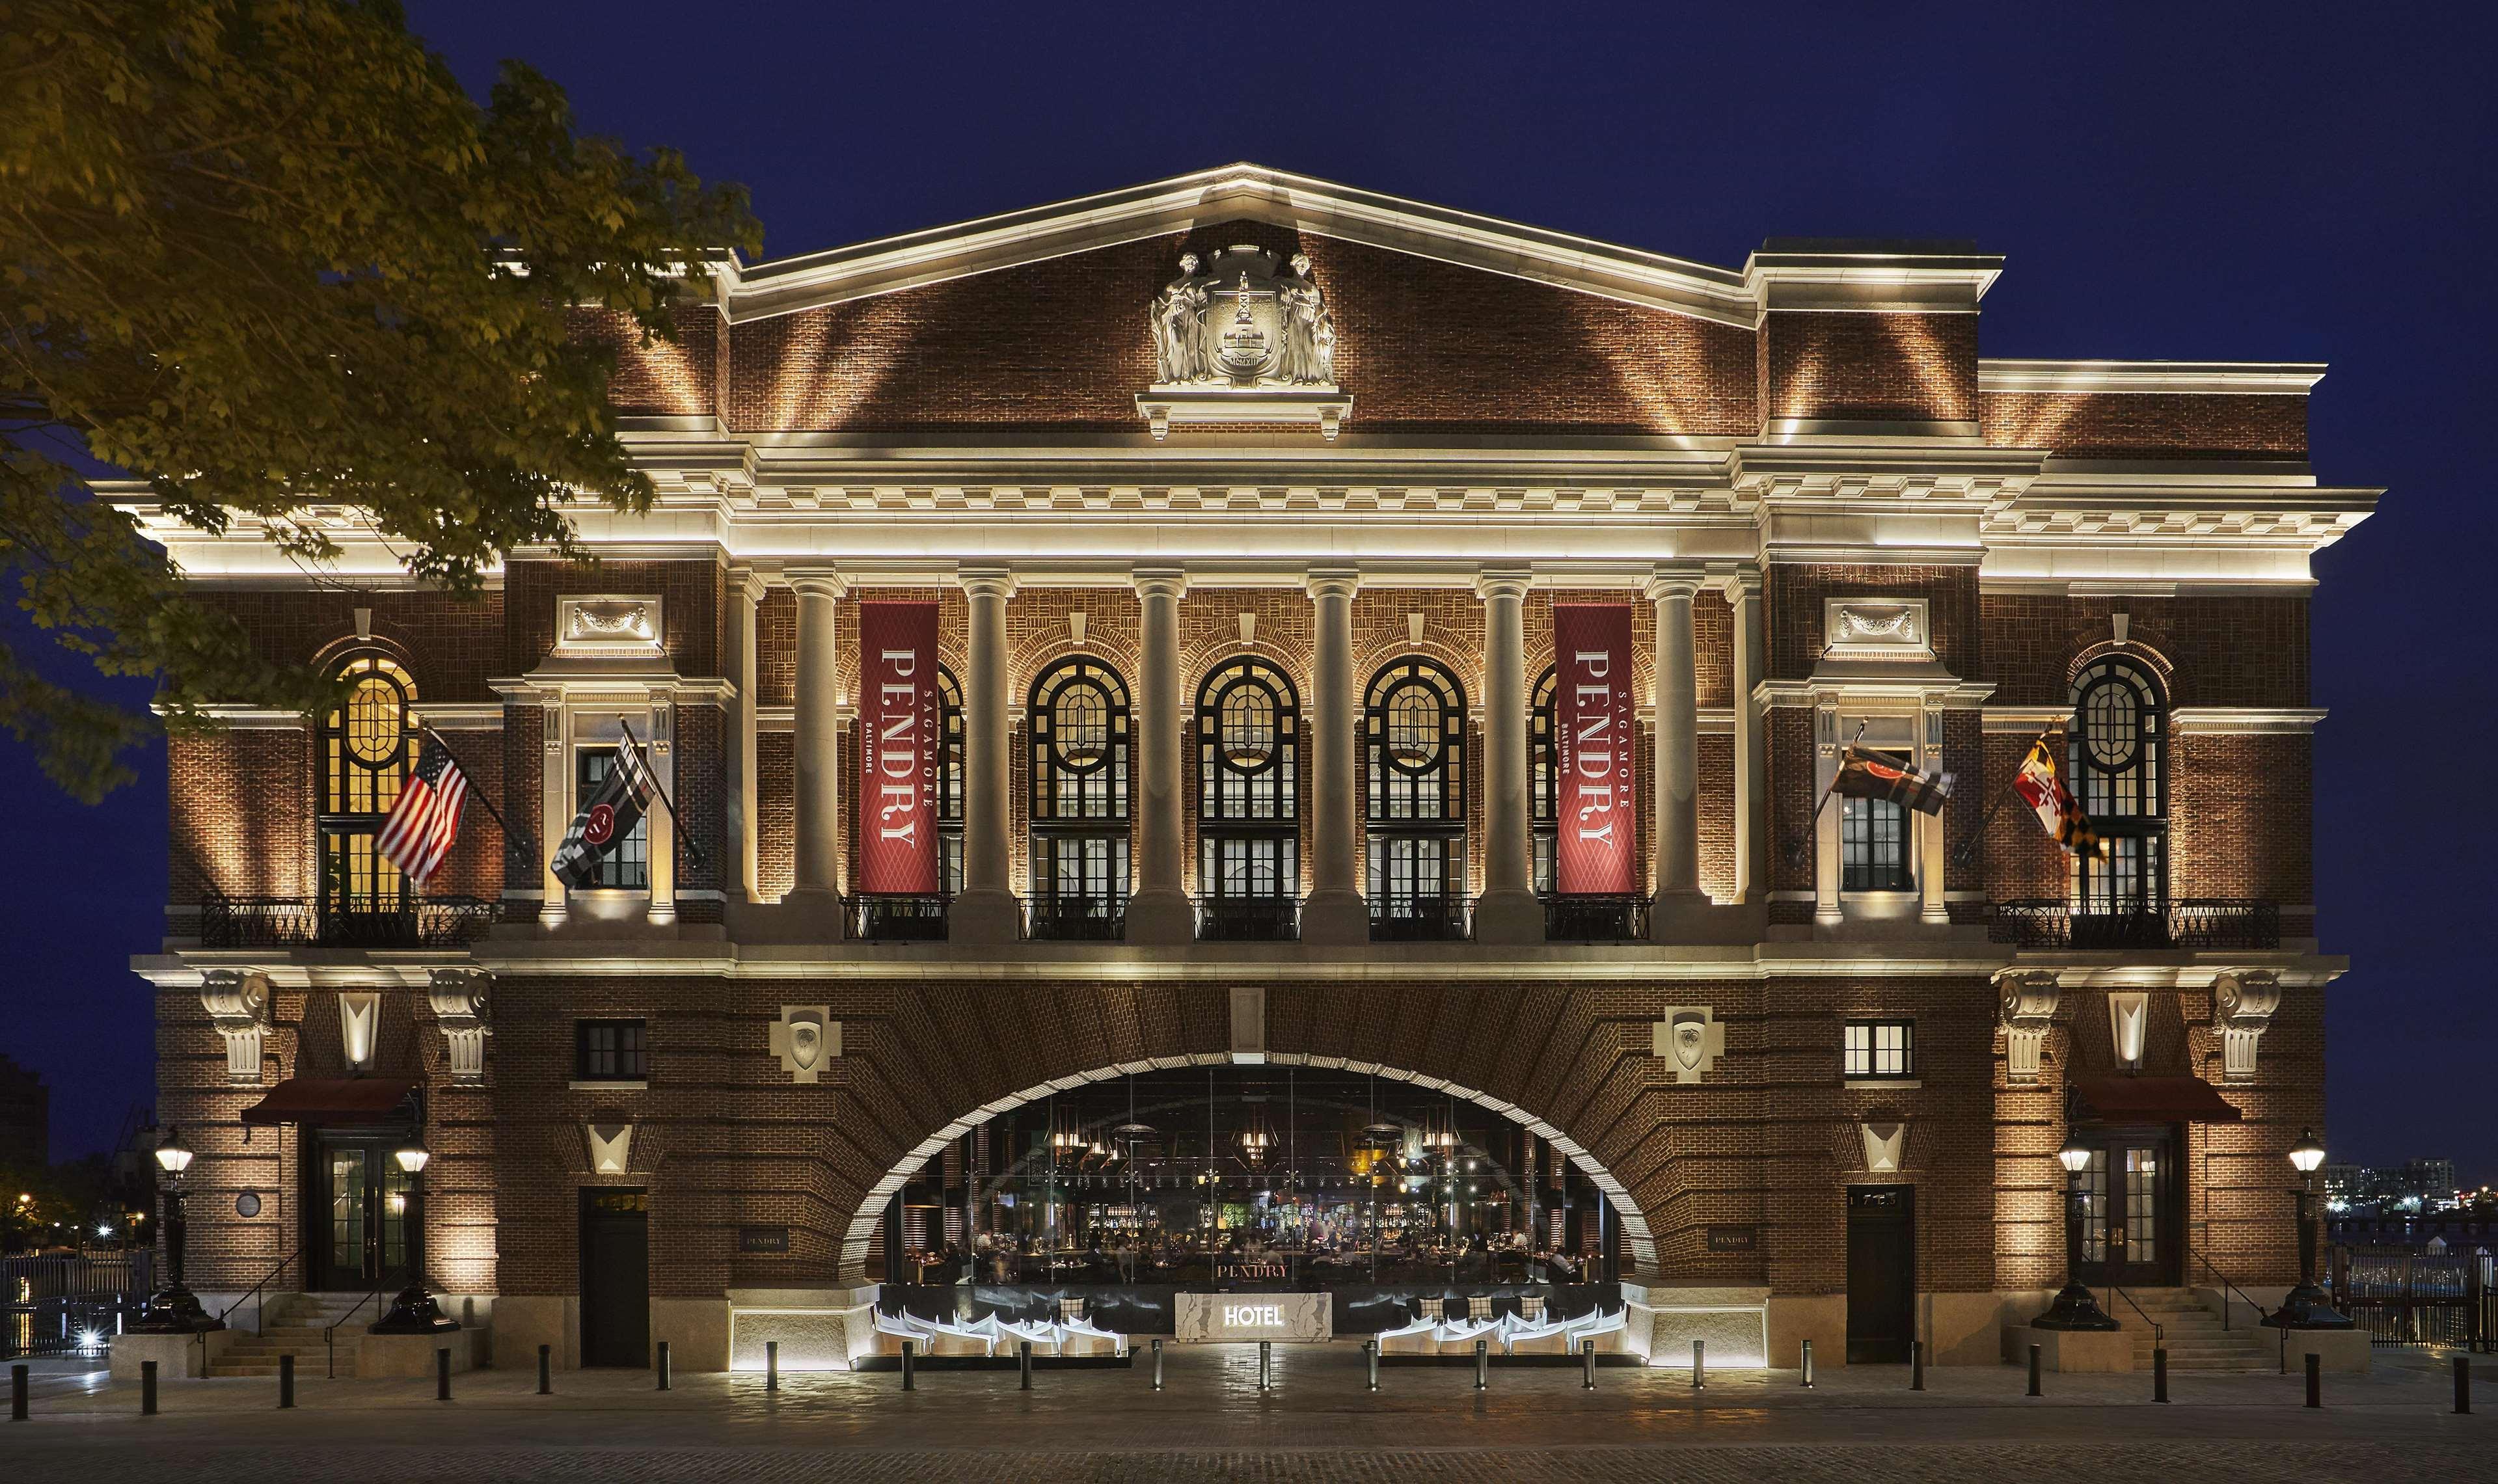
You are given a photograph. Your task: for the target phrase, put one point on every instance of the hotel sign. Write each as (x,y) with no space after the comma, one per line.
(900,731)
(1595,728)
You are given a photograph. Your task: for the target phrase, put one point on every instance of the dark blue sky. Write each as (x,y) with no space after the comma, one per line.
(2259,182)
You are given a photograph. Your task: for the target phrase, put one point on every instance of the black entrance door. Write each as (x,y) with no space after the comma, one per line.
(1881,1273)
(2130,1208)
(615,1277)
(357,1215)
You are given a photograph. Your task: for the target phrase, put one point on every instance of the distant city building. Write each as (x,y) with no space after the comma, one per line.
(2428,1182)
(25,1117)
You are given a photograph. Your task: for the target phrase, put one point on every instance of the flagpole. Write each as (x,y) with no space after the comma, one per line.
(1969,846)
(511,843)
(1831,786)
(693,848)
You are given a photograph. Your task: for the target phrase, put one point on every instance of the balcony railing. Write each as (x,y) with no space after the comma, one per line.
(882,918)
(1070,918)
(1594,919)
(2190,924)
(1412,918)
(1248,919)
(343,922)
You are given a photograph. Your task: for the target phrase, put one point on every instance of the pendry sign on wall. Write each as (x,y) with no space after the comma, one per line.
(1596,727)
(899,734)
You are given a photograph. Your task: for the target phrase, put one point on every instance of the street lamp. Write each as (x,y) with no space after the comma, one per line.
(2307,1306)
(414,1311)
(2076,1308)
(173,1310)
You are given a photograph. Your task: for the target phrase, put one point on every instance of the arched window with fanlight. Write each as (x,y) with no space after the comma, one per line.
(1080,761)
(950,782)
(1414,734)
(1544,766)
(2119,765)
(1248,799)
(367,744)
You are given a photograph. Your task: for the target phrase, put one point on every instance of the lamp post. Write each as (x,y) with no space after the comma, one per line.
(173,1310)
(2076,1308)
(414,1311)
(2307,1306)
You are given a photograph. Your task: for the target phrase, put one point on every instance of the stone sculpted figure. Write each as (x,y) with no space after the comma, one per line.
(1179,327)
(1309,333)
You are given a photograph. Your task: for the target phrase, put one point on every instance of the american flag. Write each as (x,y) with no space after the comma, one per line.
(426,820)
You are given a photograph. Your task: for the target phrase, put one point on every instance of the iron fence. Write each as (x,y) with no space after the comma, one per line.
(2404,1296)
(343,922)
(1248,919)
(1400,917)
(71,1305)
(1075,917)
(898,918)
(2193,923)
(1595,919)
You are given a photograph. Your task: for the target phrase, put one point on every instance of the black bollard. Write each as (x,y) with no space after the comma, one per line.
(1369,1360)
(285,1382)
(1699,1364)
(2034,1372)
(2160,1374)
(1483,1365)
(1158,1365)
(2462,1387)
(1808,1364)
(1586,1365)
(546,1374)
(771,1365)
(663,1364)
(147,1388)
(1023,1353)
(909,1382)
(17,1392)
(2314,1379)
(443,1374)
(1916,1365)
(1265,1364)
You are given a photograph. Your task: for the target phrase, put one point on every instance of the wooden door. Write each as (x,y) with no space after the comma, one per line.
(1881,1273)
(615,1277)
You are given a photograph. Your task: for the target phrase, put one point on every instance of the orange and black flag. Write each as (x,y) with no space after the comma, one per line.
(1864,774)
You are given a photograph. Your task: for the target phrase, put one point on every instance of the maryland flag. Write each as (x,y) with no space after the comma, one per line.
(2054,806)
(1879,775)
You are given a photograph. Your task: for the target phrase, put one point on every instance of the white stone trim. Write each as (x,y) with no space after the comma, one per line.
(2235,378)
(2247,720)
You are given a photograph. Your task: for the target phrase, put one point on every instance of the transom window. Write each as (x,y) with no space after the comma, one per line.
(1248,767)
(610,1051)
(367,743)
(1079,770)
(2117,759)
(1878,1049)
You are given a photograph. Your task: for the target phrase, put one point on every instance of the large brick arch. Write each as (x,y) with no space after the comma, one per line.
(949,1057)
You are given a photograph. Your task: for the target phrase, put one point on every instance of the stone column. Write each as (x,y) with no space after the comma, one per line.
(1677,683)
(1336,911)
(1508,911)
(1826,876)
(1159,911)
(1933,909)
(987,911)
(742,868)
(659,748)
(1751,767)
(815,744)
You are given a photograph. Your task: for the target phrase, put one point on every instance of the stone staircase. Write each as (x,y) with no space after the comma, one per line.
(2195,1337)
(295,1323)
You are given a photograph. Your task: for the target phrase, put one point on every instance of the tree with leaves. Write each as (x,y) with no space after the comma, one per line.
(268,254)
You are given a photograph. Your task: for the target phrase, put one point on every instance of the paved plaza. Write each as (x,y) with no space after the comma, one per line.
(1210,1422)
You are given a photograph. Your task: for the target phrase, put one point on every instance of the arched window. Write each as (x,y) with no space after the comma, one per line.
(1079,790)
(1546,781)
(367,744)
(1248,786)
(2118,763)
(950,782)
(1414,734)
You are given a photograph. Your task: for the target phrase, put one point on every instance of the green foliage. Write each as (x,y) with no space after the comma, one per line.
(266,254)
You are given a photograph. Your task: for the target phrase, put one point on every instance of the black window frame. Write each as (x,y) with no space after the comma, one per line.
(357,794)
(630,1055)
(1873,1026)
(625,867)
(950,785)
(1237,819)
(1096,838)
(1543,781)
(2127,799)
(1396,822)
(1878,842)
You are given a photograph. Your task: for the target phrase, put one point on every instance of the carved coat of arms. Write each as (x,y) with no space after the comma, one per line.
(1246,321)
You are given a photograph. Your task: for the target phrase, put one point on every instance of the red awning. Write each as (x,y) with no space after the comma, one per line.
(318,1100)
(2154,1101)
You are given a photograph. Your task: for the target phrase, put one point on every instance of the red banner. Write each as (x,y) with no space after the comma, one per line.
(1595,728)
(900,733)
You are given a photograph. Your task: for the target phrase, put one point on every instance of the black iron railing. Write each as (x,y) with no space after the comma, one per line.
(1071,918)
(1248,919)
(71,1306)
(882,918)
(2191,922)
(1397,917)
(1594,919)
(343,922)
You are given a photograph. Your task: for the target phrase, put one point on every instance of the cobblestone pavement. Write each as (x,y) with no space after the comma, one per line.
(1425,1425)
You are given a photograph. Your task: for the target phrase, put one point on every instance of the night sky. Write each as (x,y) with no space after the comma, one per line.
(2257,183)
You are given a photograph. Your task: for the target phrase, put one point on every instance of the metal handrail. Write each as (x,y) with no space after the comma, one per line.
(329,1335)
(2159,1336)
(2227,1288)
(254,1290)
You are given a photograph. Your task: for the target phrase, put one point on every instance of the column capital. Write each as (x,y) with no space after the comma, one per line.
(745,582)
(1503,583)
(1334,582)
(816,582)
(1160,581)
(1669,583)
(1739,583)
(986,582)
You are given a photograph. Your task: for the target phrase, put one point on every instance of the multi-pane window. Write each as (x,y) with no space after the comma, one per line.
(610,1051)
(1248,799)
(1878,1049)
(1414,730)
(367,744)
(2118,763)
(949,783)
(2089,1187)
(1079,770)
(1874,846)
(627,866)
(1544,780)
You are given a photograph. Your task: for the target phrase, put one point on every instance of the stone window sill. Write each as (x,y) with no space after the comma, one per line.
(1880,1084)
(610,1085)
